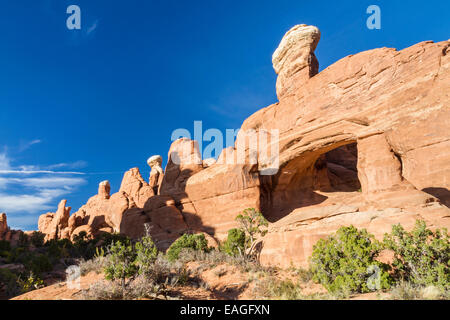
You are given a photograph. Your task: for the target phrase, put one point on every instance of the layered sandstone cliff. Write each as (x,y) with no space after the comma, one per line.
(364,142)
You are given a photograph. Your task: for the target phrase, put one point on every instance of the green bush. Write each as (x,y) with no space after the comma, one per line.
(345,262)
(37,239)
(38,264)
(187,241)
(110,238)
(8,280)
(146,254)
(32,282)
(23,240)
(421,256)
(57,249)
(5,248)
(254,225)
(235,243)
(5,245)
(120,263)
(17,255)
(80,238)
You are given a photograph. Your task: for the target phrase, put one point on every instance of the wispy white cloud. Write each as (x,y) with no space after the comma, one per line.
(33,189)
(6,168)
(71,165)
(38,172)
(26,145)
(34,195)
(44,182)
(30,203)
(4,162)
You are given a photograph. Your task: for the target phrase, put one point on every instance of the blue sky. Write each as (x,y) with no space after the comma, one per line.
(81,106)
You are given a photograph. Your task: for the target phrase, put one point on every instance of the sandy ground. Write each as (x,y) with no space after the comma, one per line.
(223,282)
(60,291)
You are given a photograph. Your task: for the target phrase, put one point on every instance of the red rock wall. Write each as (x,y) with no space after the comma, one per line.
(387,114)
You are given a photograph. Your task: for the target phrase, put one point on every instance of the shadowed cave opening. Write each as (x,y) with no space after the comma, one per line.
(310,180)
(341,164)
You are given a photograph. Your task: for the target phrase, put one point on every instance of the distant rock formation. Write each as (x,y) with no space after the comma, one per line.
(54,225)
(3,224)
(364,142)
(6,233)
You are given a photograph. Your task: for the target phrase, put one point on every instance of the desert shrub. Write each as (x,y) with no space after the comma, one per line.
(274,288)
(120,263)
(146,254)
(254,225)
(405,290)
(5,248)
(151,284)
(235,243)
(304,275)
(421,256)
(96,264)
(187,241)
(142,288)
(81,237)
(85,249)
(104,290)
(209,259)
(23,240)
(32,282)
(58,249)
(16,255)
(5,245)
(38,264)
(83,246)
(37,239)
(8,280)
(64,244)
(108,239)
(139,288)
(345,261)
(164,271)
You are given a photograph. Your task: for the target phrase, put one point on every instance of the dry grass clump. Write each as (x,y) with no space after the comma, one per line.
(407,291)
(95,264)
(138,288)
(273,288)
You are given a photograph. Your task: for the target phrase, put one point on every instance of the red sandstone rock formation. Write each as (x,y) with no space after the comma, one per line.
(54,225)
(364,142)
(4,229)
(6,233)
(294,59)
(3,223)
(156,173)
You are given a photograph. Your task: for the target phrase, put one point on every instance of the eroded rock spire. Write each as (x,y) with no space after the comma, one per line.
(294,60)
